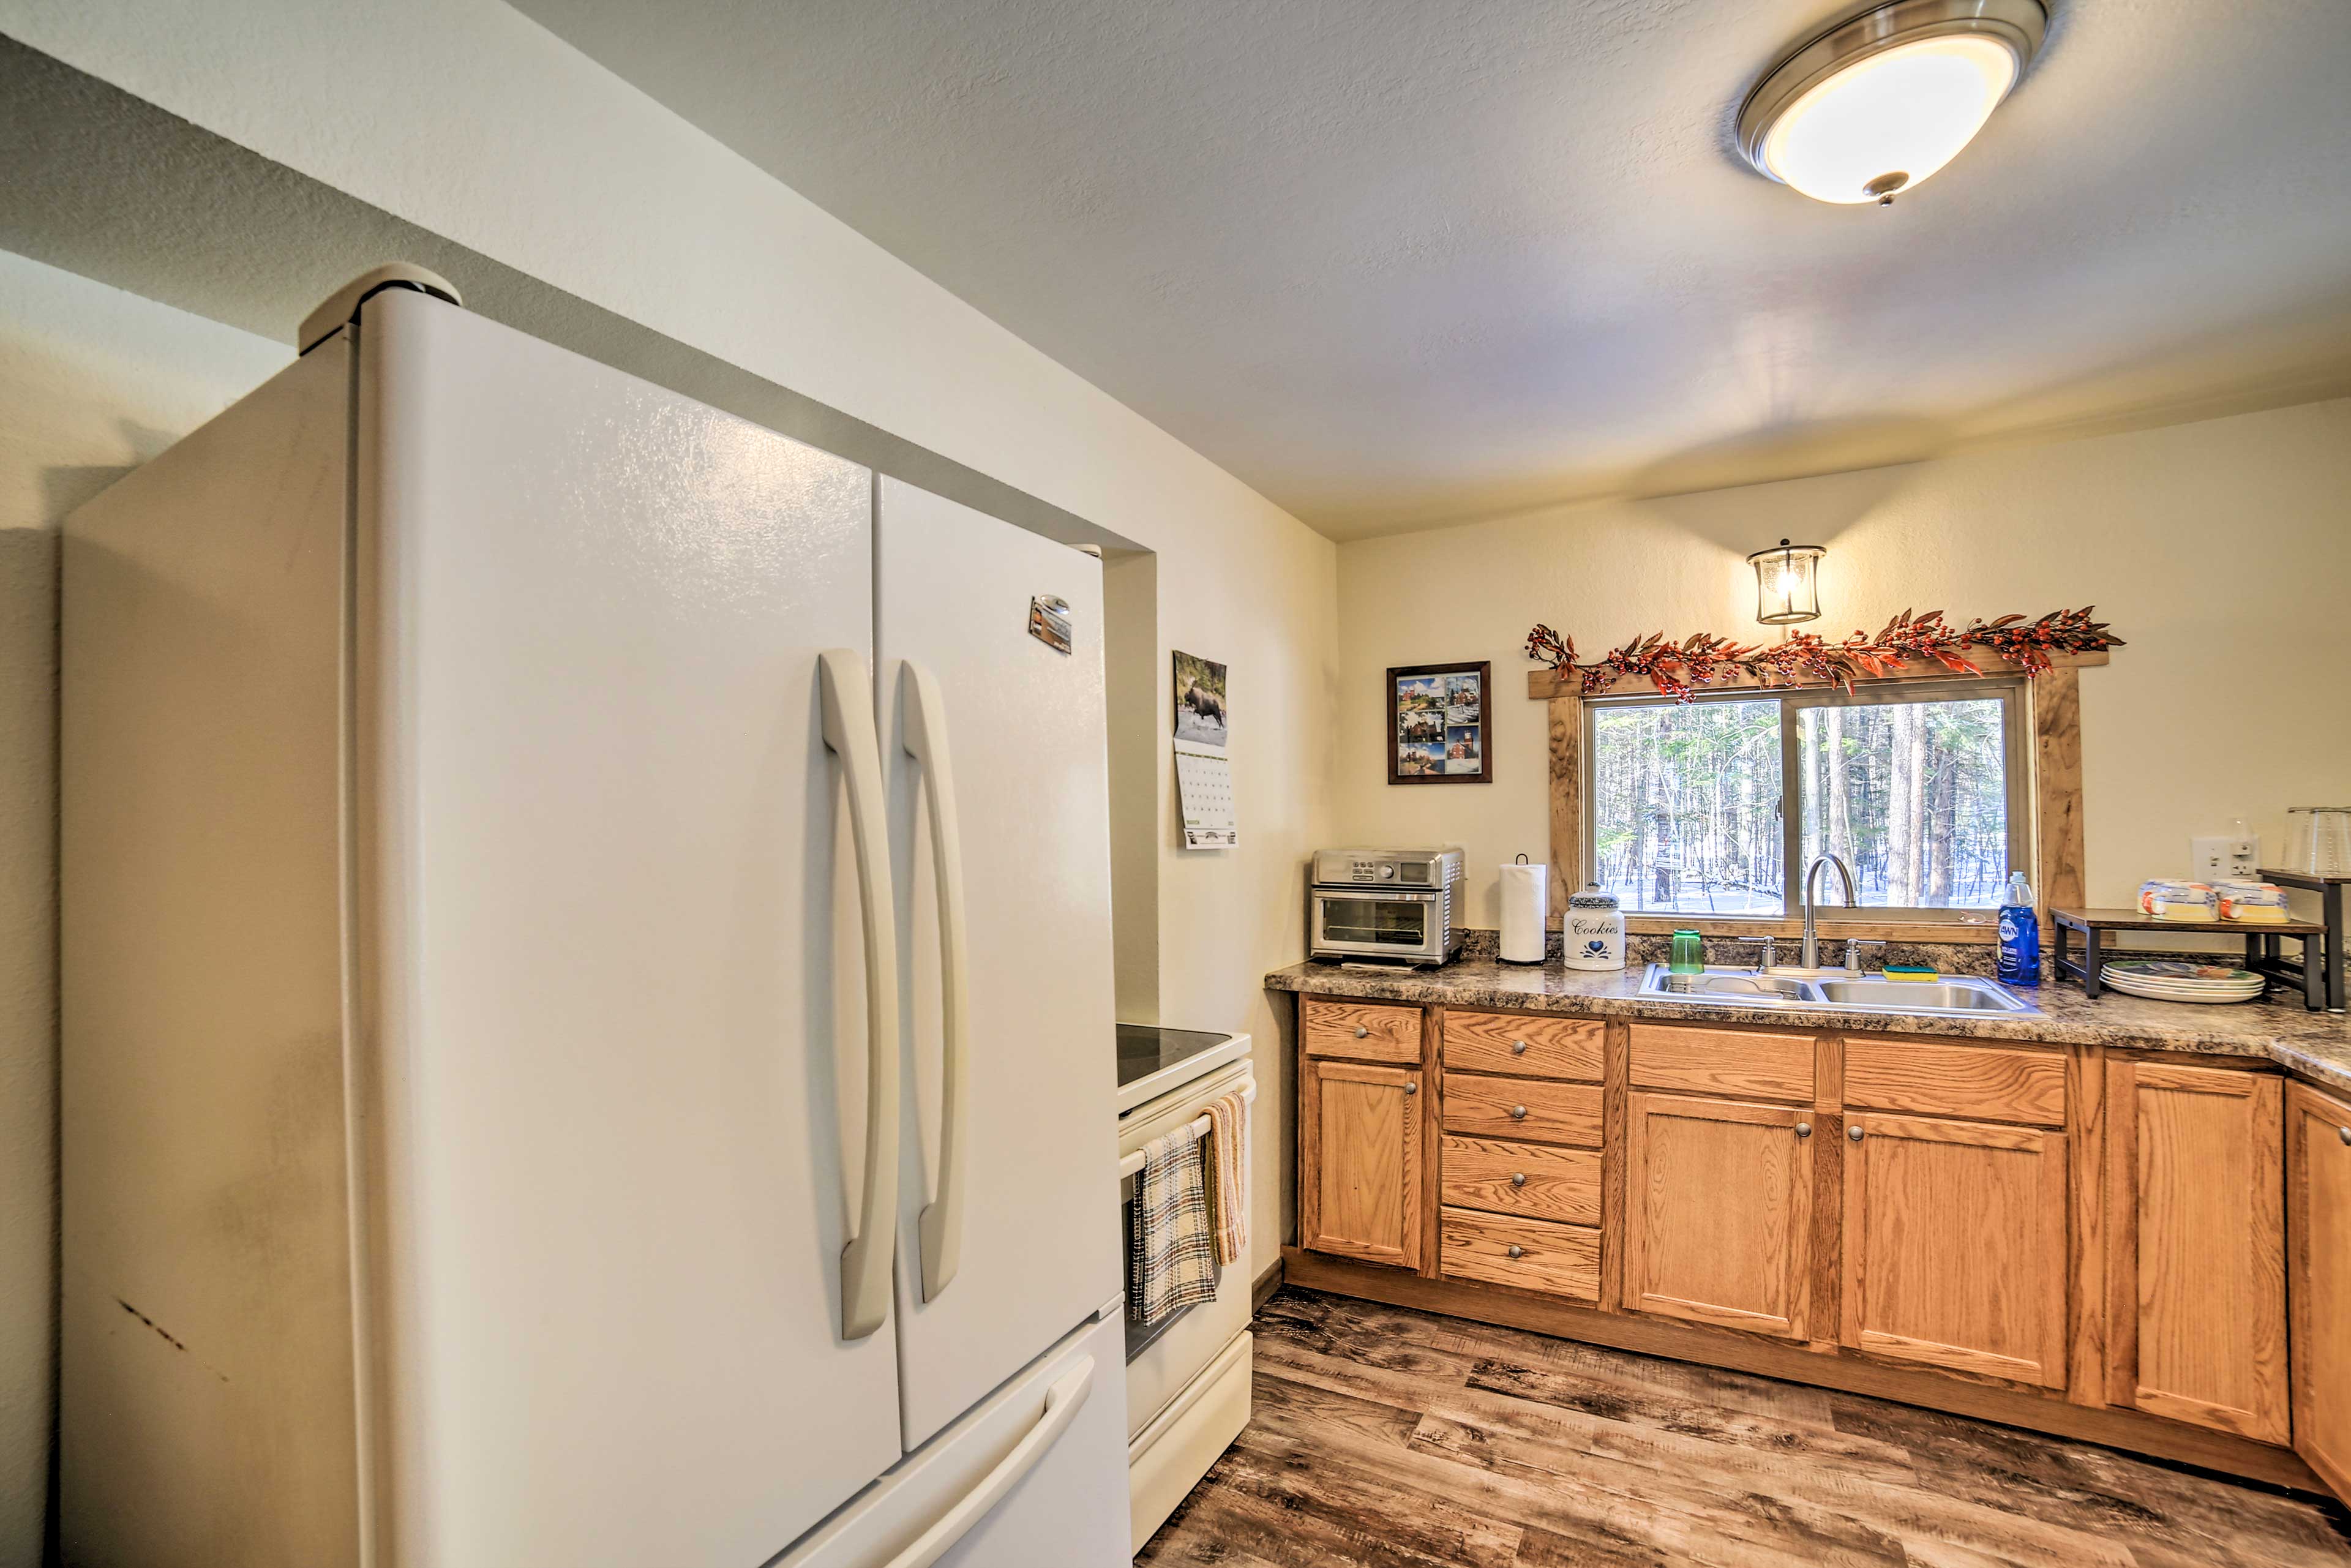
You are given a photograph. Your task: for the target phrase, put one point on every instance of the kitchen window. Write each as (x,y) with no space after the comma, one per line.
(1714,807)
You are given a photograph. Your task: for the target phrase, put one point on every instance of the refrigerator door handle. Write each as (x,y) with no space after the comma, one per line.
(851,732)
(1064,1400)
(922,722)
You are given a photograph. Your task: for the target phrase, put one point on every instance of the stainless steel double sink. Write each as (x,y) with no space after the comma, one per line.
(1957,996)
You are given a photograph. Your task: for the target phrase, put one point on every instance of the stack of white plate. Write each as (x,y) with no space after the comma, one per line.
(2171,980)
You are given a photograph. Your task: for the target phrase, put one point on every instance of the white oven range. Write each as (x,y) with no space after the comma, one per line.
(1187,1378)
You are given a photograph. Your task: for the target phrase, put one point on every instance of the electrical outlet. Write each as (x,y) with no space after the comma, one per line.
(2221,857)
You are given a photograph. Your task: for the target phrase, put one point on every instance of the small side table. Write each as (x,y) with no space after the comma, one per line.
(2261,954)
(2330,913)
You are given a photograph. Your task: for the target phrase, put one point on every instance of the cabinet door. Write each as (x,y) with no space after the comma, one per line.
(2196,1266)
(1719,1212)
(2318,1279)
(1955,1246)
(1359,1161)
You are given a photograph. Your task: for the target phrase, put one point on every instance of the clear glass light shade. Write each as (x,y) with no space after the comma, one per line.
(1906,111)
(1787,583)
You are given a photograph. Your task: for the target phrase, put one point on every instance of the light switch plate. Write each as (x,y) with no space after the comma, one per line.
(2221,857)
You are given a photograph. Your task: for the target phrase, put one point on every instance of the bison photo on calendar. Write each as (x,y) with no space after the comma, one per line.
(1200,716)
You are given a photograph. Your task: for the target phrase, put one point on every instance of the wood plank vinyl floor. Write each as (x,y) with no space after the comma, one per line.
(1385,1437)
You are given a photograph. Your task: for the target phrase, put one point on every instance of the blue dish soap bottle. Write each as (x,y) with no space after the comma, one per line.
(2020,934)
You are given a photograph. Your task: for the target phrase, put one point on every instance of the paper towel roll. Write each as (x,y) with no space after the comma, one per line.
(1524,903)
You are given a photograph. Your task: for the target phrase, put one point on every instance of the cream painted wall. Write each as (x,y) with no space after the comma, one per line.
(467,118)
(2221,550)
(92,382)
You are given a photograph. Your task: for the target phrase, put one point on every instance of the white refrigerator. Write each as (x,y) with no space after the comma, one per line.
(586,993)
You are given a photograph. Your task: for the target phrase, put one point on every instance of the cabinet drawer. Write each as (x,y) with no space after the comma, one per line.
(1361,1031)
(1729,1062)
(1558,1260)
(1522,1108)
(1533,1181)
(1528,1047)
(1982,1082)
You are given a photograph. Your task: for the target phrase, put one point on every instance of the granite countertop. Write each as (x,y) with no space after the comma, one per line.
(2316,1046)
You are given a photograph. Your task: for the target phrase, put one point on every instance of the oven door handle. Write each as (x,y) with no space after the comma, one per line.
(1132,1164)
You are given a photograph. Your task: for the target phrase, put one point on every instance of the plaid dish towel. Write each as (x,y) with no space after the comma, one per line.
(1173,1261)
(1228,1176)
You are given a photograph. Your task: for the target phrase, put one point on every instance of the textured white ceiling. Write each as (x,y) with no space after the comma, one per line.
(1405,262)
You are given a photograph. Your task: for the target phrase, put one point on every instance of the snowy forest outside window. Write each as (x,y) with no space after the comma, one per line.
(1715,807)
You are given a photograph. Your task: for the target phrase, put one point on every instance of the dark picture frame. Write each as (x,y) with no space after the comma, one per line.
(1440,719)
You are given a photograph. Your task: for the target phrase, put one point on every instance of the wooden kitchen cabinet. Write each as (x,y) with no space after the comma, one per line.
(2318,1279)
(1719,1212)
(1523,1047)
(2196,1309)
(1954,1250)
(1359,1155)
(1360,1031)
(2111,1244)
(1476,1106)
(1524,1254)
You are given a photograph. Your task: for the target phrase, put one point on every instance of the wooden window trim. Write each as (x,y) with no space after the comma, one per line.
(2054,749)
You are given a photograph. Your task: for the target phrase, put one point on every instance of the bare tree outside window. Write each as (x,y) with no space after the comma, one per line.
(1686,807)
(1917,792)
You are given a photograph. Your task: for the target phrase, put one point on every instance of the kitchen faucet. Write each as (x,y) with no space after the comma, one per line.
(1812,955)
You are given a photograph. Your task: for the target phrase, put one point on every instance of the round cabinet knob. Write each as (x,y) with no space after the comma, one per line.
(1412,1087)
(1518,1178)
(1804,1129)
(1361,1031)
(1517,1251)
(1517,1048)
(1518,1112)
(2344,1134)
(1854,1133)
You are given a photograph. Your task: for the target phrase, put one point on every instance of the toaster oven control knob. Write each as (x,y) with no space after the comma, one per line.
(1517,1048)
(1387,874)
(1518,1112)
(1518,1251)
(1518,1178)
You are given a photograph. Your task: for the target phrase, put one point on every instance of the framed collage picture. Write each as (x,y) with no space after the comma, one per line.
(1437,725)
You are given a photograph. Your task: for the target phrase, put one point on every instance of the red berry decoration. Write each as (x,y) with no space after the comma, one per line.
(1679,670)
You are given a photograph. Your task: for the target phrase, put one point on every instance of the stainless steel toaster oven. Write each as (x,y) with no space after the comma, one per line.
(1395,906)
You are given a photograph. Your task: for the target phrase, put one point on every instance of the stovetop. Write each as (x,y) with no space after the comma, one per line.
(1144,1048)
(1153,1060)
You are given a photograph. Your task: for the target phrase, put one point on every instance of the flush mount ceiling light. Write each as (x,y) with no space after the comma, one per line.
(1878,104)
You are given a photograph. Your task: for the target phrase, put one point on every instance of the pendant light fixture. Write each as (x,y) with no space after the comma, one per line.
(1879,103)
(1787,583)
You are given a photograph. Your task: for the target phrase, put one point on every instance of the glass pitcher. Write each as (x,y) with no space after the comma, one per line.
(2318,840)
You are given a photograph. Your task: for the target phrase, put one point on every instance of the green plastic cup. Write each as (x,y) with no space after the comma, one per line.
(1688,954)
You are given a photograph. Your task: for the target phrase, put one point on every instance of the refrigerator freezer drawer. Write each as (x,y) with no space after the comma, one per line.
(1066,1502)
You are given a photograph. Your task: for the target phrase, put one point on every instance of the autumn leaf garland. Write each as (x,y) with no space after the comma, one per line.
(1679,669)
